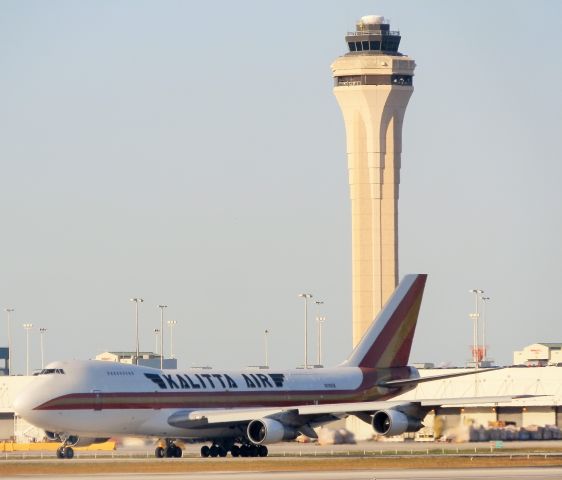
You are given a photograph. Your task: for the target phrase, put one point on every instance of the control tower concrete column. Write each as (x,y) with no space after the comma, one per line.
(373,83)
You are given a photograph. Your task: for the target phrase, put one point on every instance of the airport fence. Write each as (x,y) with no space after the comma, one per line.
(148,455)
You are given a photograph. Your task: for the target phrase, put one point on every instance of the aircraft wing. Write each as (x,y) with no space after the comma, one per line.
(218,416)
(302,414)
(294,415)
(371,407)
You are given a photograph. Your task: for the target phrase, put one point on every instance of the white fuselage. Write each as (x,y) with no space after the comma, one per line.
(96,399)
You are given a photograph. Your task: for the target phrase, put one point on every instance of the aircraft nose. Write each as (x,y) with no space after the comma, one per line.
(23,404)
(26,402)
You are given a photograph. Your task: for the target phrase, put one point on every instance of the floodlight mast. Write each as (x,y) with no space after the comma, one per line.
(137,301)
(9,311)
(306,296)
(162,307)
(475,346)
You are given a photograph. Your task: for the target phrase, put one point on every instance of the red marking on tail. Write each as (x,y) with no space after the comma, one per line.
(388,341)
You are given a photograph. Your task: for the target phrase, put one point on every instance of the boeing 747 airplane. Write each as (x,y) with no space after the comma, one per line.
(84,402)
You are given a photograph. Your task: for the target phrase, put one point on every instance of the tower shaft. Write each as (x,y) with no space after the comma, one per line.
(373,87)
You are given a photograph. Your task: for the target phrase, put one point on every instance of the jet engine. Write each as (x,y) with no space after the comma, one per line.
(393,422)
(266,430)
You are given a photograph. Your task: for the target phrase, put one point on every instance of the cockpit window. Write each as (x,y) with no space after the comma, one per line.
(50,371)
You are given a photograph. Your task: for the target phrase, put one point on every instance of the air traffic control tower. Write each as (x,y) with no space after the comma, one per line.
(373,83)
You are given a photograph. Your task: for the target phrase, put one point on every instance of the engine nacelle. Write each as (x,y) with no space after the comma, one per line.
(52,436)
(76,441)
(266,430)
(393,422)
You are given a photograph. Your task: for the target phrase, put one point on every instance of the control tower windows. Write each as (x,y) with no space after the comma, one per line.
(402,79)
(390,44)
(398,79)
(387,44)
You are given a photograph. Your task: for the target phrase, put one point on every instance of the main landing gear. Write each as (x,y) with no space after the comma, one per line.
(244,450)
(171,450)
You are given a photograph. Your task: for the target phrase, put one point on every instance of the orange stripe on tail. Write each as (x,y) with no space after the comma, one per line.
(388,341)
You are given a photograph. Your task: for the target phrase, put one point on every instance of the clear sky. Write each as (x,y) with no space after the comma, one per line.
(193,154)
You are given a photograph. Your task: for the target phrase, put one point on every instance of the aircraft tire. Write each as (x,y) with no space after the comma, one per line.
(60,453)
(177,451)
(68,452)
(205,451)
(253,451)
(214,451)
(262,451)
(222,452)
(235,451)
(160,452)
(172,451)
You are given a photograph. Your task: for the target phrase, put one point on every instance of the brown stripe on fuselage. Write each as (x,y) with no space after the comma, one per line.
(367,391)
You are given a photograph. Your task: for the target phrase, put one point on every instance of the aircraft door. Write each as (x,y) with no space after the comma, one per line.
(98,399)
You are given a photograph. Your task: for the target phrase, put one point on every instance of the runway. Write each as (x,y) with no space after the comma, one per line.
(529,473)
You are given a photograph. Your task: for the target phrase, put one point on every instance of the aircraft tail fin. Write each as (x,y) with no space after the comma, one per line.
(388,341)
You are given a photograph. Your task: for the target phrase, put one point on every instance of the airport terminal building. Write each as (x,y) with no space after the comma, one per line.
(545,409)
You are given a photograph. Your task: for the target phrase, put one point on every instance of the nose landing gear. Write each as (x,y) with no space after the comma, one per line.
(65,451)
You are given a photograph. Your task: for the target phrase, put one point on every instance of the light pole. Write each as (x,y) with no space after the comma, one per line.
(318,355)
(474,318)
(475,349)
(306,296)
(137,301)
(265,334)
(320,320)
(27,327)
(156,342)
(484,301)
(9,311)
(171,324)
(162,307)
(42,331)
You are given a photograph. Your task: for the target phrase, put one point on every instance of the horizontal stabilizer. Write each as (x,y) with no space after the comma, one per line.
(450,402)
(406,382)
